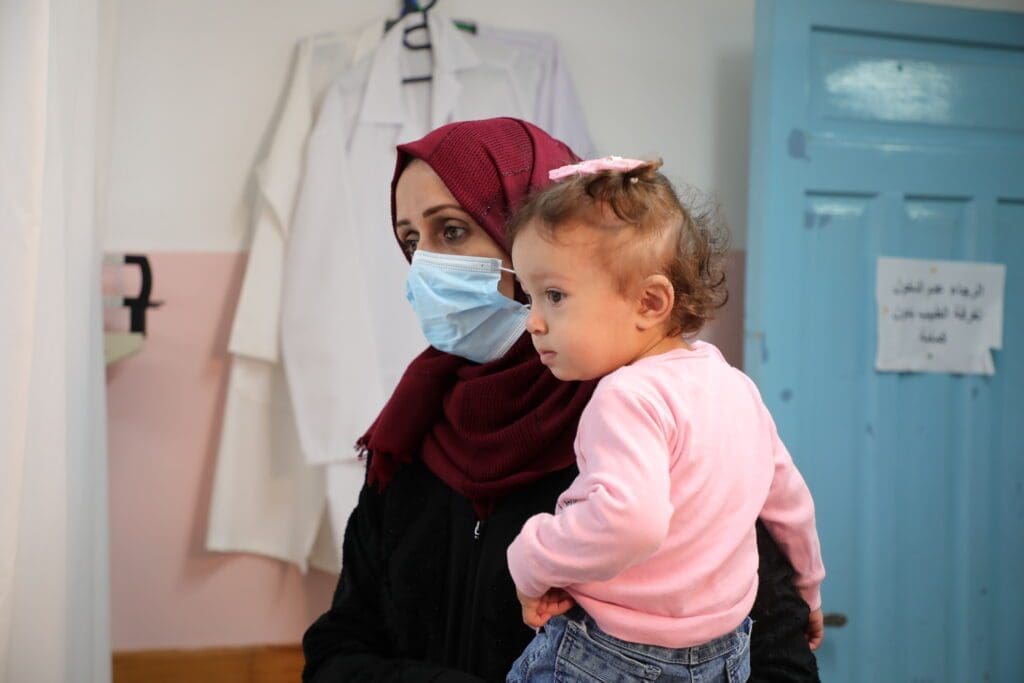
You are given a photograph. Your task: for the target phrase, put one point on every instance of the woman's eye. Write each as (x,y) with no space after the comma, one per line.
(554,296)
(453,233)
(410,243)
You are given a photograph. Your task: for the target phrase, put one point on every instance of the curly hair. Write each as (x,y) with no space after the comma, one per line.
(650,231)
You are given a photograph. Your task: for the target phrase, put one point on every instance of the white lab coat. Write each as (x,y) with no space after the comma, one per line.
(348,332)
(266,498)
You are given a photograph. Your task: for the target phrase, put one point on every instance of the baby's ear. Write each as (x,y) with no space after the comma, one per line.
(657,298)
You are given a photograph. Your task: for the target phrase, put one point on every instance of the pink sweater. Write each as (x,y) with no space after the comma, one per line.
(678,457)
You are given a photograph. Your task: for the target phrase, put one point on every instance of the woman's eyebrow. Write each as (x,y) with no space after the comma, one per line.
(430,212)
(441,207)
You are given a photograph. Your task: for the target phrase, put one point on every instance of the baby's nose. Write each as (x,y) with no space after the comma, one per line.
(534,323)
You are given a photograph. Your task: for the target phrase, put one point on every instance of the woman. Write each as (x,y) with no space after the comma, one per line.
(466,450)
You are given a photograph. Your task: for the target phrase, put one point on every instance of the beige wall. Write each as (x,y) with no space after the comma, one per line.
(196,84)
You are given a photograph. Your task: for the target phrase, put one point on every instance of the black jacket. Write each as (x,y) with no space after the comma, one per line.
(425,593)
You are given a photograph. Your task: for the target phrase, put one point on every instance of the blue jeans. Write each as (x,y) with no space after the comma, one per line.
(572,648)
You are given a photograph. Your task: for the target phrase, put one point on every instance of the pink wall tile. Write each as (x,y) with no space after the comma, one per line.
(165,406)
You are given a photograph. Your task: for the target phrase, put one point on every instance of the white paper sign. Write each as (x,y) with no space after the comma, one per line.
(939,316)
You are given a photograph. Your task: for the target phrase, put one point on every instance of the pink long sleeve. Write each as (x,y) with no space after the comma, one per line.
(655,539)
(789,515)
(616,513)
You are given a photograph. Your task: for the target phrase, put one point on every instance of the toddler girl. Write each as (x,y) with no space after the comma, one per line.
(678,456)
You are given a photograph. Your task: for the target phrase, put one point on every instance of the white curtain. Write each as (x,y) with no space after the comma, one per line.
(54,592)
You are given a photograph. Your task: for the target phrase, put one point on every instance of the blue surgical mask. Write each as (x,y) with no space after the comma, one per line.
(460,309)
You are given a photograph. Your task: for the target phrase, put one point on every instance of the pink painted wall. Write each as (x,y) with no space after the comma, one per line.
(164,409)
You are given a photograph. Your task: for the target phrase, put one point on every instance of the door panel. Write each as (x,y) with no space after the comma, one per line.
(889,129)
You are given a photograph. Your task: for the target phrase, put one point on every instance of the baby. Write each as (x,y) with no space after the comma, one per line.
(678,457)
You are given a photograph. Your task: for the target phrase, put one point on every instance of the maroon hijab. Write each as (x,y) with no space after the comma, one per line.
(486,429)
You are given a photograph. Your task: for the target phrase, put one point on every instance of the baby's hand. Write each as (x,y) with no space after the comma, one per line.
(537,611)
(815,629)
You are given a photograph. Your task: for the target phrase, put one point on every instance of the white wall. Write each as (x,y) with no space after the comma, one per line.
(666,78)
(196,84)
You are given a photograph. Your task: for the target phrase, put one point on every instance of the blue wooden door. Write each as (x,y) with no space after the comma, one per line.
(891,129)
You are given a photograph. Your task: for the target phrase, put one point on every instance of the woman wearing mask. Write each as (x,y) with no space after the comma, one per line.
(477,437)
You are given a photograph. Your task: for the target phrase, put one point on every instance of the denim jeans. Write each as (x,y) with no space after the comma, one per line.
(572,648)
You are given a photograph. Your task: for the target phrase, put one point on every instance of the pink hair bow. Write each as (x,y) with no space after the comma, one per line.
(591,166)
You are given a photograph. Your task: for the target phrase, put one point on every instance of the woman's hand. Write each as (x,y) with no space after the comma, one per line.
(537,611)
(815,629)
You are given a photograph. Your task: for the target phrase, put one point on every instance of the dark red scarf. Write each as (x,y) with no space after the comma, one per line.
(484,429)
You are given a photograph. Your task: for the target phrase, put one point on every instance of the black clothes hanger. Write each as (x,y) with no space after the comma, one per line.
(426,45)
(410,6)
(409,30)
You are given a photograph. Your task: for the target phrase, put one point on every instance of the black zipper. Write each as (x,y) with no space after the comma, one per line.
(472,615)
